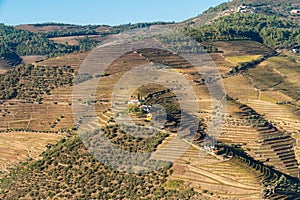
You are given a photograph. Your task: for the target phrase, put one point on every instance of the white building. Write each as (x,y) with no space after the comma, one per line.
(245,9)
(296,11)
(134,102)
(296,50)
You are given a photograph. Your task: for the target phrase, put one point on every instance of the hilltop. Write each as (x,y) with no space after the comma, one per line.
(279,8)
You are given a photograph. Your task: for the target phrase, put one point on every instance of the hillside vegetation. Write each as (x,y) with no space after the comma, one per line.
(280,8)
(30,83)
(67,170)
(27,43)
(76,30)
(269,30)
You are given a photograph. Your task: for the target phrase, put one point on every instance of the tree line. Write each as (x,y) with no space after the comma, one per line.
(25,43)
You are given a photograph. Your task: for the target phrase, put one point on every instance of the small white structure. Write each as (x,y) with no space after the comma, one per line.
(245,9)
(134,102)
(295,11)
(296,50)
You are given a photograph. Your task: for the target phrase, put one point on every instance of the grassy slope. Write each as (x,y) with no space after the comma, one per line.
(277,73)
(18,146)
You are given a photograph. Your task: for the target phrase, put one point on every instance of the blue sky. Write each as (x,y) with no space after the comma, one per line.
(111,12)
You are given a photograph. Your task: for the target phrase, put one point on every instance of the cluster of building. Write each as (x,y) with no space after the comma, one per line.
(252,9)
(144,108)
(245,9)
(240,9)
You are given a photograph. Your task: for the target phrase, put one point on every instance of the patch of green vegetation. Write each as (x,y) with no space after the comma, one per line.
(267,98)
(11,58)
(122,138)
(86,44)
(242,59)
(174,184)
(29,82)
(68,171)
(25,43)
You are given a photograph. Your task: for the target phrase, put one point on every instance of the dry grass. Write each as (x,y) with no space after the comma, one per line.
(287,67)
(73,40)
(31,59)
(278,74)
(19,146)
(2,70)
(213,177)
(223,65)
(240,87)
(241,48)
(274,96)
(56,107)
(74,60)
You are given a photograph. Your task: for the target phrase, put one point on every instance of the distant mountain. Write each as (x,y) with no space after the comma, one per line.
(52,29)
(38,39)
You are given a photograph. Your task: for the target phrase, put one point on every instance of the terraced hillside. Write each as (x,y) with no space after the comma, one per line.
(269,146)
(17,146)
(23,120)
(31,92)
(272,147)
(212,177)
(234,134)
(252,150)
(277,185)
(73,60)
(279,74)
